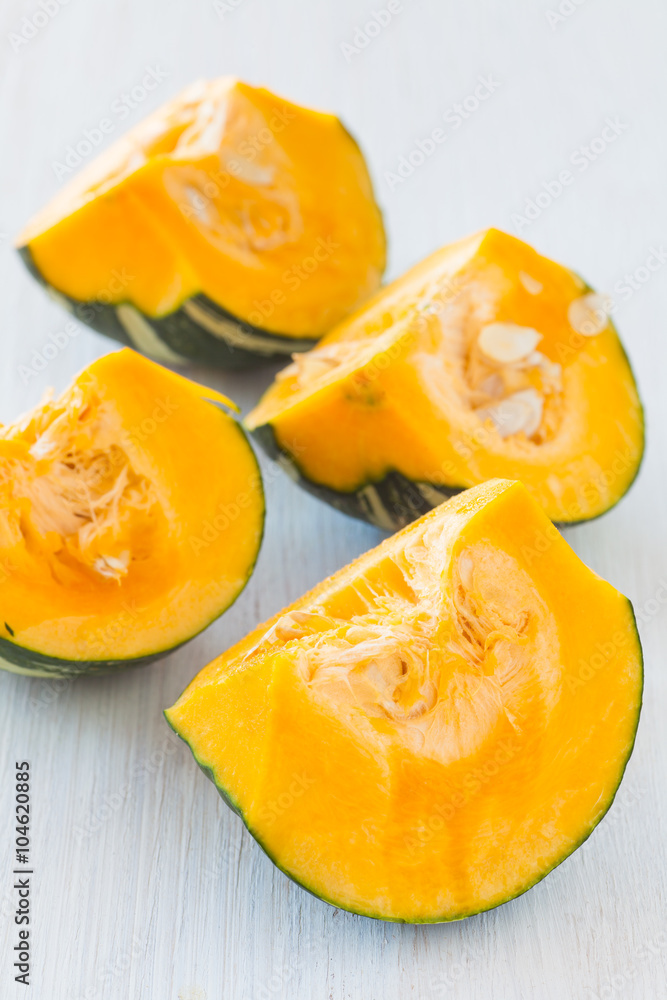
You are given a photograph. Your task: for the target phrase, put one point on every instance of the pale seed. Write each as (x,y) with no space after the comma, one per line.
(507,343)
(532,285)
(588,315)
(522,411)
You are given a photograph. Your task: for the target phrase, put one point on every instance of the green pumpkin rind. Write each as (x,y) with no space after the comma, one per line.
(199,331)
(393,501)
(20,660)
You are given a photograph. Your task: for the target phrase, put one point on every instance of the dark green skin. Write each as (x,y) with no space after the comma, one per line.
(182,333)
(436,919)
(400,500)
(396,500)
(30,660)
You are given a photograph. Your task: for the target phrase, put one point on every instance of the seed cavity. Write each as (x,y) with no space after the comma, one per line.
(68,488)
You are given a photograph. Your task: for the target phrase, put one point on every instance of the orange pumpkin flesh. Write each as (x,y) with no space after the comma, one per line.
(430,731)
(255,215)
(399,406)
(131,513)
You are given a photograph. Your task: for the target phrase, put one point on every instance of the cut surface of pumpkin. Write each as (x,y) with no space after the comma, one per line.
(431,730)
(229,225)
(117,543)
(485,360)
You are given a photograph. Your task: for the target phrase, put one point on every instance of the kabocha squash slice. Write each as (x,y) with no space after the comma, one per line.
(485,360)
(430,731)
(230,226)
(131,515)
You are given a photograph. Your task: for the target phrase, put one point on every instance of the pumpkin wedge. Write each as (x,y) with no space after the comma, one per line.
(228,227)
(485,360)
(117,543)
(430,731)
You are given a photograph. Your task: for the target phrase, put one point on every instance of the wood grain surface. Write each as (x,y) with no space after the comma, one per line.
(146,885)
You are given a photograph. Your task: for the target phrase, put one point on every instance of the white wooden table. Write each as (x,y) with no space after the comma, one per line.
(146,885)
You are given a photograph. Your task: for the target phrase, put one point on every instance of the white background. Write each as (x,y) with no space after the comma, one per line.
(164,896)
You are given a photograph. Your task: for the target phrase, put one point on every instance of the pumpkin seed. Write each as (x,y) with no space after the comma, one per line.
(522,411)
(589,314)
(506,343)
(531,284)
